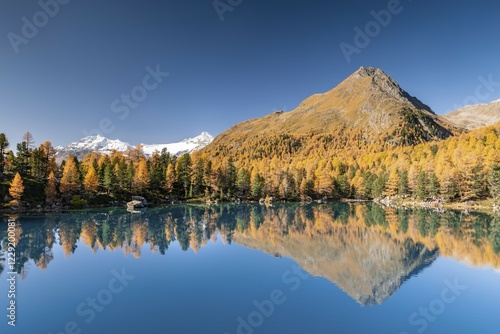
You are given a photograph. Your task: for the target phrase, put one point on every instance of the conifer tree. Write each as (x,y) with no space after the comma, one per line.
(243,182)
(109,181)
(494,182)
(141,179)
(91,182)
(4,144)
(50,190)
(70,181)
(392,185)
(170,179)
(16,189)
(258,186)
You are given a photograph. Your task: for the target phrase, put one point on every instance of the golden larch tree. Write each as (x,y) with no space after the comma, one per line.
(142,175)
(170,178)
(91,182)
(51,191)
(16,189)
(70,181)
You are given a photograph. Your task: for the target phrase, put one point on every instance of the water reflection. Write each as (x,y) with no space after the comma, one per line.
(366,250)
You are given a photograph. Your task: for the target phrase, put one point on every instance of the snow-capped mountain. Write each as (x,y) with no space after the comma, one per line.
(104,145)
(186,146)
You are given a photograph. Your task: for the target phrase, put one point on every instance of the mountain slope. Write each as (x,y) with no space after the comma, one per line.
(368,105)
(104,145)
(475,116)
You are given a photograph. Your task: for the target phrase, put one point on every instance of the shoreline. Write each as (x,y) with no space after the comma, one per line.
(483,206)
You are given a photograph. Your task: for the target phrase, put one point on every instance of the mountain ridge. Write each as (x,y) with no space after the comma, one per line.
(475,116)
(368,105)
(105,145)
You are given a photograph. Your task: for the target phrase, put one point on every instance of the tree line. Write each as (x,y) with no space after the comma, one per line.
(285,167)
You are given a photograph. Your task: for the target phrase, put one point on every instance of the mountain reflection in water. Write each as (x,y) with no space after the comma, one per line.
(366,250)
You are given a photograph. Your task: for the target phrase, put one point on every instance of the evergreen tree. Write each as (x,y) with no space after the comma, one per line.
(109,179)
(309,188)
(494,182)
(230,178)
(22,160)
(197,179)
(4,144)
(208,176)
(434,187)
(156,172)
(183,172)
(243,182)
(121,175)
(39,164)
(258,186)
(479,182)
(378,186)
(421,191)
(403,187)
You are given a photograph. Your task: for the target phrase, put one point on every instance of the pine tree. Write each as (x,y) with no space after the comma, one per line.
(243,182)
(434,187)
(403,188)
(50,190)
(258,186)
(421,191)
(197,179)
(16,189)
(494,182)
(70,180)
(121,175)
(109,181)
(22,160)
(183,172)
(156,172)
(4,143)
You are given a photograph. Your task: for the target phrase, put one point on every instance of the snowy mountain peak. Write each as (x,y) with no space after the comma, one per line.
(105,145)
(188,145)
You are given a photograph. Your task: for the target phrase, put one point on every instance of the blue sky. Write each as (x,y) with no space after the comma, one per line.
(72,75)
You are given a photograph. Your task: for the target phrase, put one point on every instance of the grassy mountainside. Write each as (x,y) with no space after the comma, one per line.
(367,108)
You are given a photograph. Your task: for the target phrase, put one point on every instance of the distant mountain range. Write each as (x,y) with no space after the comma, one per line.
(104,145)
(475,116)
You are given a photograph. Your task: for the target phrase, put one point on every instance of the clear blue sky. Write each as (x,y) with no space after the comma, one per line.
(264,56)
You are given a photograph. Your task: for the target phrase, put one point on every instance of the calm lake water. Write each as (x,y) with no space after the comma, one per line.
(333,268)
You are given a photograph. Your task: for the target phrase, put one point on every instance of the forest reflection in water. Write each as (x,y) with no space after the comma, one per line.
(366,250)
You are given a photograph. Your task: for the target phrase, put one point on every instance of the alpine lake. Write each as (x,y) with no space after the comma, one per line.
(243,269)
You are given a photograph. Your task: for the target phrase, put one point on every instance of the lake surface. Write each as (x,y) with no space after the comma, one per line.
(332,268)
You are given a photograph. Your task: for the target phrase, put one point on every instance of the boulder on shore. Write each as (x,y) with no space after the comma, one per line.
(137,202)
